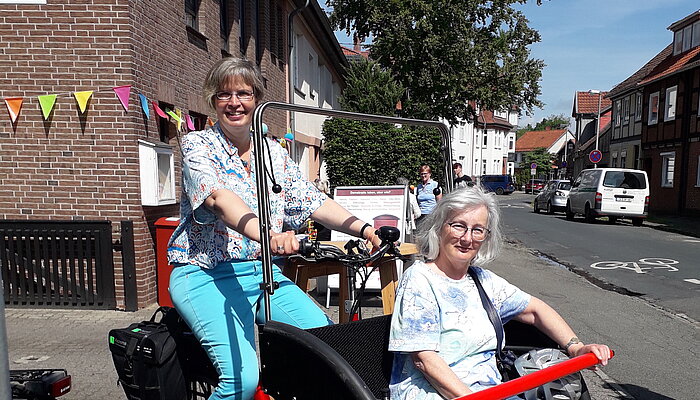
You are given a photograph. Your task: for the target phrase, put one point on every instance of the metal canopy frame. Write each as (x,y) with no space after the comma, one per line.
(261,179)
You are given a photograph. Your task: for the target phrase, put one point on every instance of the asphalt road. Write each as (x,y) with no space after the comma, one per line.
(651,318)
(659,266)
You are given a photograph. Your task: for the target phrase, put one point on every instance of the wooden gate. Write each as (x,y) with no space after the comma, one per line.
(57,263)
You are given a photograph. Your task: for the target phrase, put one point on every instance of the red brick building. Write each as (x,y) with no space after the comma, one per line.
(77,165)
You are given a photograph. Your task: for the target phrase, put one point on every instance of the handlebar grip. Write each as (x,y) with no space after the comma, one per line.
(306,247)
(388,233)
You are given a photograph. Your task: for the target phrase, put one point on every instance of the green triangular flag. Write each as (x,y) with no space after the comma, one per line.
(47,101)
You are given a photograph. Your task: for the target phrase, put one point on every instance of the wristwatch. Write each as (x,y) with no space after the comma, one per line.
(571,342)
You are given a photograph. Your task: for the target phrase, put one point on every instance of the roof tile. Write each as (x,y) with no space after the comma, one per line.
(534,139)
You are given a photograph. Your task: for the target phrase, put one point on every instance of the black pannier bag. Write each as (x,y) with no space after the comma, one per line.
(146,359)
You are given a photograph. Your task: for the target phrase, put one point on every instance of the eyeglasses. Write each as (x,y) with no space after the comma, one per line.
(479,233)
(243,95)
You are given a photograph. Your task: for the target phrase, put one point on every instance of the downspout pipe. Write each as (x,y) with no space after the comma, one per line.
(291,66)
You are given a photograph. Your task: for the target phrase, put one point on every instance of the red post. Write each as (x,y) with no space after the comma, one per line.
(164,229)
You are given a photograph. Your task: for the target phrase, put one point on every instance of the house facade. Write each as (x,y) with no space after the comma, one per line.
(485,146)
(555,141)
(107,157)
(671,122)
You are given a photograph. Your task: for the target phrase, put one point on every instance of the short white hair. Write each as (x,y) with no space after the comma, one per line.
(458,201)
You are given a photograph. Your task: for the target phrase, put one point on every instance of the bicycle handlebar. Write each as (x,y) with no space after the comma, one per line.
(314,251)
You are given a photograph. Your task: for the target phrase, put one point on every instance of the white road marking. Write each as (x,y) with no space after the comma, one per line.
(693,280)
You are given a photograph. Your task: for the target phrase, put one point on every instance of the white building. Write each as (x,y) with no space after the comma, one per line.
(485,146)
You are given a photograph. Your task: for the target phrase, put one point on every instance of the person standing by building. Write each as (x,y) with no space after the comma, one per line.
(428,192)
(461,180)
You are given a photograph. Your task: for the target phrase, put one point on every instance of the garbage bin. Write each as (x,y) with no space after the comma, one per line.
(164,229)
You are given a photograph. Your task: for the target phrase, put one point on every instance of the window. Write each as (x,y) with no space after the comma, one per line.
(198,120)
(156,173)
(191,12)
(623,159)
(485,138)
(638,108)
(241,26)
(614,160)
(667,165)
(653,108)
(511,143)
(697,176)
(626,110)
(696,35)
(166,129)
(670,113)
(617,112)
(483,167)
(224,22)
(687,37)
(677,42)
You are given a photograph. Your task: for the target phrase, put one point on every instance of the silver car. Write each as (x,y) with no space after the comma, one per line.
(552,197)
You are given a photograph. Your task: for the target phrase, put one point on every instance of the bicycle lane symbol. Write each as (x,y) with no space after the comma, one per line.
(638,266)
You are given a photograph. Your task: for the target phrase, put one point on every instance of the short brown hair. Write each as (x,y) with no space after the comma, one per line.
(230,67)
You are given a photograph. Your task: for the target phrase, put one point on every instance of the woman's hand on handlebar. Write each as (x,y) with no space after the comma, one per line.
(600,350)
(373,238)
(284,243)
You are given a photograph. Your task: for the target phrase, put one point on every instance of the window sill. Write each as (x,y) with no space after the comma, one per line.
(196,37)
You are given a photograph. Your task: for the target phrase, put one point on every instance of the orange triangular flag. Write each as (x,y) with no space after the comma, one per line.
(14,105)
(158,110)
(123,93)
(210,122)
(82,98)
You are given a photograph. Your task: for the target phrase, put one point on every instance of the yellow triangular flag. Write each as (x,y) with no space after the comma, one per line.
(82,98)
(46,102)
(179,119)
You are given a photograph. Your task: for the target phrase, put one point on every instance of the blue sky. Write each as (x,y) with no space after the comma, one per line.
(593,44)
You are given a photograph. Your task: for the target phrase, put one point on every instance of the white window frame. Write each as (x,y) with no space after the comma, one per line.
(677,42)
(696,35)
(687,37)
(668,161)
(157,178)
(670,103)
(653,119)
(638,108)
(626,110)
(618,107)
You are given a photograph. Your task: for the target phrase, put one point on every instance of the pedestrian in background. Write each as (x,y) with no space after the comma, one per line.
(428,192)
(461,180)
(413,210)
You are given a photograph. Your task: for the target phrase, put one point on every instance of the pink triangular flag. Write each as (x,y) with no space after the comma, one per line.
(190,124)
(14,105)
(158,110)
(123,93)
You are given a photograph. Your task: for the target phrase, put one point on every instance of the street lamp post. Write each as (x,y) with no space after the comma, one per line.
(597,121)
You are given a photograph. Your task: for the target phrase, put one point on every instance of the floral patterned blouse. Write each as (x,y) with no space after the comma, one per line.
(210,162)
(434,312)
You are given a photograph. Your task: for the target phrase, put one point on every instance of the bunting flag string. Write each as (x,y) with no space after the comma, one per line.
(47,103)
(14,105)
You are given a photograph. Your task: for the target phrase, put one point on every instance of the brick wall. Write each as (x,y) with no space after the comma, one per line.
(86,166)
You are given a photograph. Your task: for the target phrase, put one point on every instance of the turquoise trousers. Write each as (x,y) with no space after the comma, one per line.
(221,305)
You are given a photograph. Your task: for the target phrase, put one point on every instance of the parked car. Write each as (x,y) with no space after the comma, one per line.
(612,192)
(500,184)
(534,186)
(553,197)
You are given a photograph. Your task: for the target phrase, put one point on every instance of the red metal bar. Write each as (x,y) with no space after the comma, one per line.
(535,379)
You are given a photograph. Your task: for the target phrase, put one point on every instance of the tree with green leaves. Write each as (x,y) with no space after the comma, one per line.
(447,53)
(560,121)
(368,153)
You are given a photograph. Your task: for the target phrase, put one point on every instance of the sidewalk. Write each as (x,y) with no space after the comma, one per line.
(77,341)
(672,223)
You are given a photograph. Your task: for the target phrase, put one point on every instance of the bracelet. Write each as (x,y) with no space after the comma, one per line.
(362,230)
(574,340)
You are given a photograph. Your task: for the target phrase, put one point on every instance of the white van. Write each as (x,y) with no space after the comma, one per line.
(610,192)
